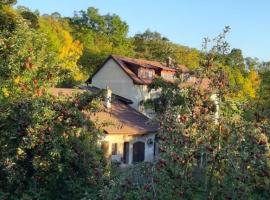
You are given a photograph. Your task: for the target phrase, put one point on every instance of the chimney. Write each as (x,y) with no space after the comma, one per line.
(108,98)
(169,62)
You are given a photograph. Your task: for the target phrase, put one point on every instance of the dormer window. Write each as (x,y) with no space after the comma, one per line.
(146,74)
(167,76)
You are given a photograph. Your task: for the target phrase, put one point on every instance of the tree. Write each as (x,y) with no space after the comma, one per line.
(101,35)
(7,17)
(201,159)
(148,35)
(235,59)
(23,9)
(108,25)
(264,92)
(202,155)
(32,18)
(251,63)
(154,46)
(68,51)
(48,149)
(56,15)
(252,83)
(7,2)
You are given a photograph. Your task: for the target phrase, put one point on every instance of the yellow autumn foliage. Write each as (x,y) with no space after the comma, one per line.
(254,78)
(67,49)
(70,52)
(5,92)
(250,85)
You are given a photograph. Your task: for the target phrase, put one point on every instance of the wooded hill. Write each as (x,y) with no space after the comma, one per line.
(48,150)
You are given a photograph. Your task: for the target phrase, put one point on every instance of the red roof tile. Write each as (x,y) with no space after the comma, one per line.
(144,63)
(120,119)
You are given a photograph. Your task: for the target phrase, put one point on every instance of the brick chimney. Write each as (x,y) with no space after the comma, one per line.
(108,98)
(169,62)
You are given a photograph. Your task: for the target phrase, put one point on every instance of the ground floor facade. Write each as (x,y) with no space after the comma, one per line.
(129,149)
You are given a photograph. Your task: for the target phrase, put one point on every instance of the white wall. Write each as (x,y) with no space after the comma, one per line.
(120,139)
(120,83)
(214,98)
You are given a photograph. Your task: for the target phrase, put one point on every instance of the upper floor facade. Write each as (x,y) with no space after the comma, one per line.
(130,78)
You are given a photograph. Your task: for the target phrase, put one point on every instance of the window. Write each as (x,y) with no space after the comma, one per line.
(147,74)
(105,147)
(126,152)
(167,75)
(114,149)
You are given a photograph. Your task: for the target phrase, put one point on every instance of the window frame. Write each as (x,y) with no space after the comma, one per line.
(114,148)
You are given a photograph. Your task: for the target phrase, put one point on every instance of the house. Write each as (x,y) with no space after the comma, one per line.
(129,136)
(129,78)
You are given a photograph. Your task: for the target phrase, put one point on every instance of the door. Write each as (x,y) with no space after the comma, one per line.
(138,152)
(126,152)
(105,148)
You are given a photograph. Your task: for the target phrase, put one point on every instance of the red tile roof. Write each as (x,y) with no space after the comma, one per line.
(120,119)
(144,63)
(127,63)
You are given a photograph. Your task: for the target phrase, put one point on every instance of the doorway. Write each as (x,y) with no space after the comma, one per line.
(126,153)
(138,152)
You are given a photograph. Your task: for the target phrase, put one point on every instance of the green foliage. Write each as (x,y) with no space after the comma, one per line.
(7,2)
(213,162)
(170,95)
(26,66)
(129,183)
(252,63)
(235,59)
(48,148)
(109,25)
(32,18)
(66,49)
(7,18)
(153,46)
(201,159)
(101,35)
(208,148)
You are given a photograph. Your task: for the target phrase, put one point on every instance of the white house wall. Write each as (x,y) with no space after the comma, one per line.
(112,75)
(120,139)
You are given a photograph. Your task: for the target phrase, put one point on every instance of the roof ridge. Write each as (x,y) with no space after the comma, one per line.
(139,61)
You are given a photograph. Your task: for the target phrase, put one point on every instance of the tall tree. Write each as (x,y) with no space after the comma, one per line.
(235,59)
(7,2)
(68,51)
(48,150)
(154,46)
(28,15)
(101,36)
(251,63)
(202,155)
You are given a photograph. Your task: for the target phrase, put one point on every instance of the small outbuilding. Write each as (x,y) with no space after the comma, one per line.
(129,136)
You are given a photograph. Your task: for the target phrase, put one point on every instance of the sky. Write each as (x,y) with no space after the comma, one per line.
(185,22)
